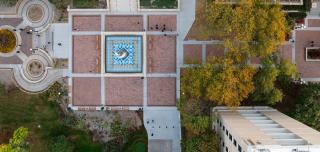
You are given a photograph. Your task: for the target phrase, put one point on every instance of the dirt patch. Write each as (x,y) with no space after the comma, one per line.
(99,122)
(35,13)
(6,78)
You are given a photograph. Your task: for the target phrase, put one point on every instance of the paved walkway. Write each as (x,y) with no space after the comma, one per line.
(46,16)
(163,123)
(123,5)
(52,76)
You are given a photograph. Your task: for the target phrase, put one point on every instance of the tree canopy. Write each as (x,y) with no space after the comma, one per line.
(18,142)
(247,29)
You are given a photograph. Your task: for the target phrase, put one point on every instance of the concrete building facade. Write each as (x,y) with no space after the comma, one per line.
(262,129)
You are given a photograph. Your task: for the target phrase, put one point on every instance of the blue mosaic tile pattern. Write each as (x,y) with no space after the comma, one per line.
(118,47)
(124,54)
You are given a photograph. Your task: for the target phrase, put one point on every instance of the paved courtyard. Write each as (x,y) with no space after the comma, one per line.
(160,22)
(124,91)
(124,23)
(307,69)
(86,91)
(86,54)
(161,54)
(162,91)
(192,53)
(86,23)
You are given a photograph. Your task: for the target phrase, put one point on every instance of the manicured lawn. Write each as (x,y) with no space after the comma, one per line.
(85,3)
(43,119)
(159,4)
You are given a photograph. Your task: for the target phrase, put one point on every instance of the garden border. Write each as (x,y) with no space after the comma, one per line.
(159,10)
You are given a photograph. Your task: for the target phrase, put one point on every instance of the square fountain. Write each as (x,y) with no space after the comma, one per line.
(124,53)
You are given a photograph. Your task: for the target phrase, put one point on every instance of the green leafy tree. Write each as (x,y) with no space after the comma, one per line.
(268,75)
(308,107)
(18,142)
(264,80)
(205,143)
(60,144)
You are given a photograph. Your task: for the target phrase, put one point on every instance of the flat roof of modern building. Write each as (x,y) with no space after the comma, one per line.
(265,126)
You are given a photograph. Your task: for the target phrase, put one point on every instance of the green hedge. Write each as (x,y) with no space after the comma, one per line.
(159,4)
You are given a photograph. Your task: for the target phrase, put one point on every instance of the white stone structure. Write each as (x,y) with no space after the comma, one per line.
(262,129)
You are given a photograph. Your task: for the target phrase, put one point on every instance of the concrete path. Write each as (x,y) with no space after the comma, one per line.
(52,76)
(47,16)
(123,5)
(163,124)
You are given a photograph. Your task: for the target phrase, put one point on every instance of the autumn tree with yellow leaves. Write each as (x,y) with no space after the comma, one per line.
(247,29)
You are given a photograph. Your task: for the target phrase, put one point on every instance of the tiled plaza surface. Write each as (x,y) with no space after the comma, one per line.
(161,91)
(313,22)
(286,51)
(86,23)
(161,54)
(26,40)
(169,21)
(120,90)
(86,54)
(307,69)
(86,91)
(10,21)
(192,54)
(124,23)
(124,91)
(214,50)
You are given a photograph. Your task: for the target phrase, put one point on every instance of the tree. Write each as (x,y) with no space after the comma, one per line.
(268,74)
(206,143)
(231,84)
(265,84)
(308,107)
(219,81)
(257,26)
(7,41)
(60,144)
(18,142)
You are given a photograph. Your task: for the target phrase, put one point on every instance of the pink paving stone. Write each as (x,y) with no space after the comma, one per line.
(26,42)
(86,23)
(161,91)
(124,23)
(161,54)
(170,22)
(10,21)
(124,91)
(255,60)
(192,54)
(303,39)
(286,51)
(214,50)
(10,60)
(86,91)
(86,54)
(313,22)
